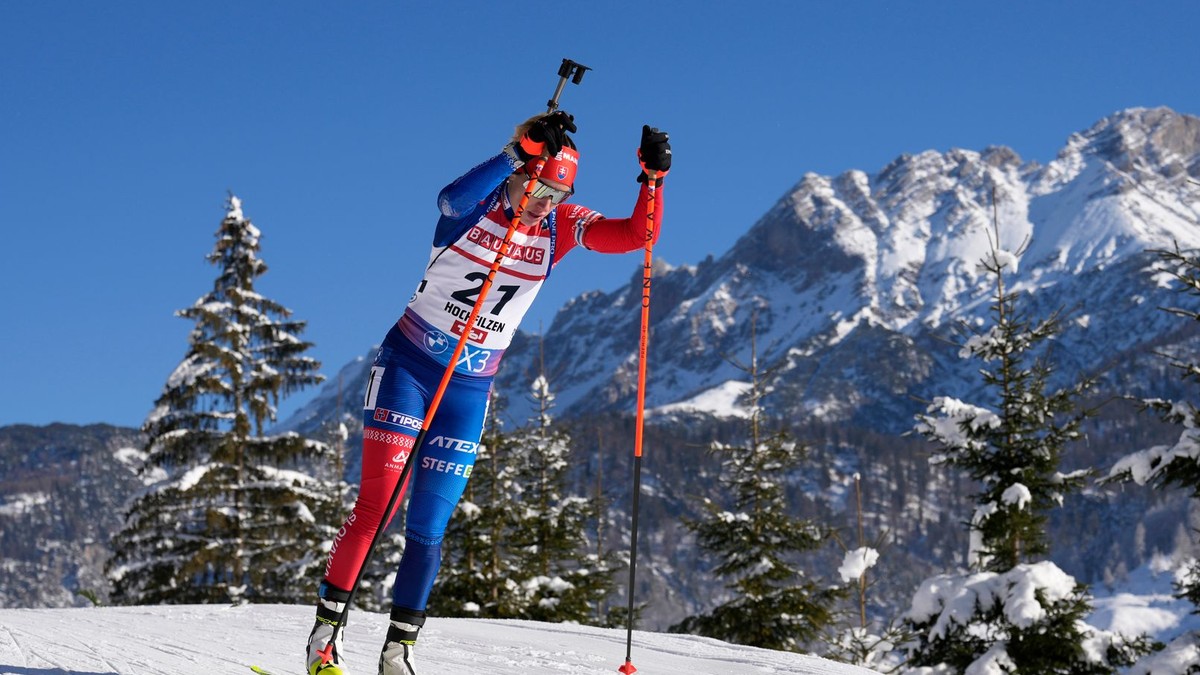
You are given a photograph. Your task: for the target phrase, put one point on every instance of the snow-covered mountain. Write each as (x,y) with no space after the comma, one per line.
(852,282)
(854,286)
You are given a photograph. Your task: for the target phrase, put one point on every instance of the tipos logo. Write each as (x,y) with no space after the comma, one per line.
(397,418)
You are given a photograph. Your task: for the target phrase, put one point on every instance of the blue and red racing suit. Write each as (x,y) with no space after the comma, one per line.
(475,215)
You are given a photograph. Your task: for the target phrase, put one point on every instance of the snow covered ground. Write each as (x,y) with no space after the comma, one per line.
(190,639)
(1144,602)
(187,640)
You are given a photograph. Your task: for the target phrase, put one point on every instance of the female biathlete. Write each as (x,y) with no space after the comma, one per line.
(476,211)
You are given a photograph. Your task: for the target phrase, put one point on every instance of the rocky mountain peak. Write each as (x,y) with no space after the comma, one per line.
(853,283)
(1160,135)
(1142,141)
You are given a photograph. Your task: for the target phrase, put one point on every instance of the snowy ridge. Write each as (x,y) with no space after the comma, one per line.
(190,639)
(854,280)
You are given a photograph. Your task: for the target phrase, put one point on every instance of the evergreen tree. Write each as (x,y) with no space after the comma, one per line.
(476,572)
(774,604)
(563,578)
(603,613)
(866,643)
(519,544)
(1012,614)
(1177,465)
(1012,450)
(1029,619)
(229,514)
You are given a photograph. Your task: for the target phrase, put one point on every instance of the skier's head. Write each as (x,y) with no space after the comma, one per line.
(553,186)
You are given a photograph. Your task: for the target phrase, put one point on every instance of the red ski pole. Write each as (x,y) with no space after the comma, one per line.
(567,69)
(643,346)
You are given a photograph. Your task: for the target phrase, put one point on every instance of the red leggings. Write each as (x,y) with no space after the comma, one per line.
(402,382)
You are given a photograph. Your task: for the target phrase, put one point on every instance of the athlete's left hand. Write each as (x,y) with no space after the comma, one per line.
(654,153)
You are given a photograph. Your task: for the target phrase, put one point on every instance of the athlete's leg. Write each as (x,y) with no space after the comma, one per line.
(394,398)
(392,413)
(440,476)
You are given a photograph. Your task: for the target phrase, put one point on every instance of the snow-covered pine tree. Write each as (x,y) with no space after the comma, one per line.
(477,574)
(518,545)
(1177,465)
(866,643)
(1013,449)
(757,539)
(1010,614)
(563,577)
(228,513)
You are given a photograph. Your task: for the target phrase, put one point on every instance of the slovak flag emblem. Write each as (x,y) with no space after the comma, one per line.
(562,172)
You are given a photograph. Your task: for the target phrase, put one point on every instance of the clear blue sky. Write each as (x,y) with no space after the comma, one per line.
(124,125)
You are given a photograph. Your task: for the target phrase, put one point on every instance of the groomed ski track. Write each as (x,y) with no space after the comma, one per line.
(201,640)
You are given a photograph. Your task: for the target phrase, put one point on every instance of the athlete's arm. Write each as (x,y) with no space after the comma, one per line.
(459,197)
(469,192)
(622,235)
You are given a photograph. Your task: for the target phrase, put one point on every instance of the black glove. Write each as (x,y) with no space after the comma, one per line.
(549,134)
(654,152)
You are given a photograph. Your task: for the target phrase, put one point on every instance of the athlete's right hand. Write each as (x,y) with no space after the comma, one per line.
(547,134)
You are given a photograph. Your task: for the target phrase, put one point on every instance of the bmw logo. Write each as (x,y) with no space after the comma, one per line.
(436,342)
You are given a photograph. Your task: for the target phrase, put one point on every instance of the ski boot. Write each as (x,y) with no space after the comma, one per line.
(317,660)
(397,655)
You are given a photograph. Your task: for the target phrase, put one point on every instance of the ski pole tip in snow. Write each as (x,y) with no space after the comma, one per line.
(628,668)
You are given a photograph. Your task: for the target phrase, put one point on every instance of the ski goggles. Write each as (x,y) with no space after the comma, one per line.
(542,191)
